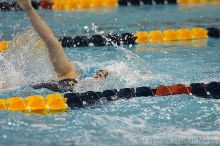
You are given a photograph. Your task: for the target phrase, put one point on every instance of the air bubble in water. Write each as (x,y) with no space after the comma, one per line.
(86,27)
(4,136)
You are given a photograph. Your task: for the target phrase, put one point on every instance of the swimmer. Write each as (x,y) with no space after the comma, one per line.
(66,71)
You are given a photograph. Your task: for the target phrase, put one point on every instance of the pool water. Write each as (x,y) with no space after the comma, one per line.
(170,120)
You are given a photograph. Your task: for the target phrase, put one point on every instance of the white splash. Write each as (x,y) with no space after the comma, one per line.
(26,61)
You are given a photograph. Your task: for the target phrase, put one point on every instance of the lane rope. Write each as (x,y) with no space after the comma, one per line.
(85,4)
(154,36)
(56,103)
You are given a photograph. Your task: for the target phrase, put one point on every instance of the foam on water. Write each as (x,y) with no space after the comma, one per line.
(26,60)
(122,74)
(8,74)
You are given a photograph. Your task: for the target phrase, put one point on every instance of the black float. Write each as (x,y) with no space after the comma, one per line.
(76,100)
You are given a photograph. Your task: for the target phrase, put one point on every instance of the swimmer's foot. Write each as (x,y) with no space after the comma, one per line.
(101,74)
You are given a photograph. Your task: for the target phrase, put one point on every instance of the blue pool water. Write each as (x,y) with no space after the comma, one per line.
(171,120)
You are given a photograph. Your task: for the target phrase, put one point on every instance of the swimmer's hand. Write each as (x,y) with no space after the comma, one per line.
(25,4)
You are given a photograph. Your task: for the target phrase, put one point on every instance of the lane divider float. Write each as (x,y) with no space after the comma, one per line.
(85,4)
(13,6)
(196,1)
(76,100)
(3,45)
(55,103)
(154,36)
(149,2)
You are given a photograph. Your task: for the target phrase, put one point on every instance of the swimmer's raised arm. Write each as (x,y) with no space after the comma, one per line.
(62,65)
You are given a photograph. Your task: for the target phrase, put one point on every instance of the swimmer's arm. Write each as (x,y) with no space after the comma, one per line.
(61,63)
